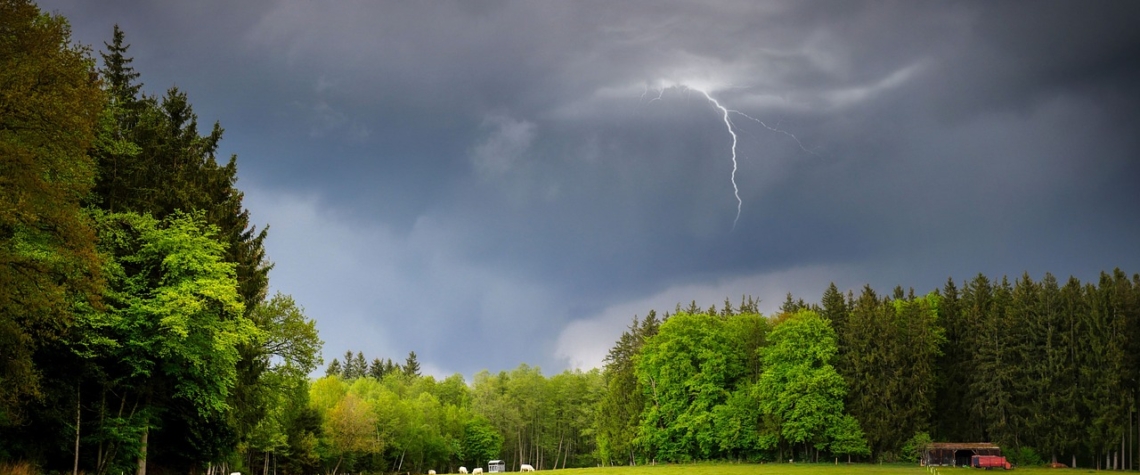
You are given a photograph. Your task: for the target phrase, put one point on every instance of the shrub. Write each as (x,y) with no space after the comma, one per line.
(1024,457)
(912,449)
(18,468)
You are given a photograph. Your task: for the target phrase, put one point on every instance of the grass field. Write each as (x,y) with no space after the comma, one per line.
(800,469)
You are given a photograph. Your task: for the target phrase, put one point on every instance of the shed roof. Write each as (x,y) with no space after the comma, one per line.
(961,445)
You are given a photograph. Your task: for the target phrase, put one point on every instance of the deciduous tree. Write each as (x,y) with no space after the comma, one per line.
(49,107)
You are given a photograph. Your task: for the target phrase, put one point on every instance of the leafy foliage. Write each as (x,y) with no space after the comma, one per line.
(49,105)
(136,330)
(799,387)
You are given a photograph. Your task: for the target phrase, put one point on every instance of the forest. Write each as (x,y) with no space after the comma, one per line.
(137,333)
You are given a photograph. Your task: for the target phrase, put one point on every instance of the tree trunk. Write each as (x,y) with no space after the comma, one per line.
(558,453)
(75,469)
(142,452)
(265,468)
(569,445)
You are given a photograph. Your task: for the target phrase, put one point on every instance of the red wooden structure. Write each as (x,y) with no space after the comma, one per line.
(990,461)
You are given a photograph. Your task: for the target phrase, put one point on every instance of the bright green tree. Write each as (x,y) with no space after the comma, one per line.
(290,350)
(799,387)
(685,371)
(351,427)
(153,160)
(170,331)
(481,442)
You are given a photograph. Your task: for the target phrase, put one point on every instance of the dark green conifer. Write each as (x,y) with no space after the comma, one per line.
(334,368)
(411,365)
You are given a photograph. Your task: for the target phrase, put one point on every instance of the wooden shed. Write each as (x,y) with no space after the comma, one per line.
(956,454)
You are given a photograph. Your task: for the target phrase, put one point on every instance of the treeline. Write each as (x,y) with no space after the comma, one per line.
(1049,371)
(135,329)
(387,418)
(136,333)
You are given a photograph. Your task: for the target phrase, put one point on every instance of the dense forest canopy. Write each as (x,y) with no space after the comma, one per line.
(137,333)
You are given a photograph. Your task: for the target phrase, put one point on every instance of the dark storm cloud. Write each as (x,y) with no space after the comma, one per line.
(443,175)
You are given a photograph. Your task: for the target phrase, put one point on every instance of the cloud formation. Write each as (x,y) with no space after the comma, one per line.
(503,182)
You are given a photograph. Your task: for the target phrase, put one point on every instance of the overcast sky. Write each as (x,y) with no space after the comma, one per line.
(490,183)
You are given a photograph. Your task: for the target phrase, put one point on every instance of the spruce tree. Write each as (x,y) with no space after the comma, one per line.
(991,385)
(361,365)
(974,301)
(411,365)
(350,371)
(1056,415)
(866,369)
(834,308)
(376,369)
(117,71)
(1105,368)
(623,402)
(1026,358)
(334,369)
(920,338)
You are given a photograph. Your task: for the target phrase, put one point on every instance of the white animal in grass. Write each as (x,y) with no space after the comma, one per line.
(477,471)
(431,472)
(462,469)
(526,468)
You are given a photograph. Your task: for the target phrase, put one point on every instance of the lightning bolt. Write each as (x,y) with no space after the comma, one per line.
(728,125)
(726,115)
(773,129)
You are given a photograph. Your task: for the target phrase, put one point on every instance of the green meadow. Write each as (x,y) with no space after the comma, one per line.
(795,469)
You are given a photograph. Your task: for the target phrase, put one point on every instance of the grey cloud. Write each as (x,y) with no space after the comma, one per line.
(502,170)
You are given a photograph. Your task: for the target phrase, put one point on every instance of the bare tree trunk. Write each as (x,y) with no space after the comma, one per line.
(558,453)
(75,470)
(265,468)
(142,452)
